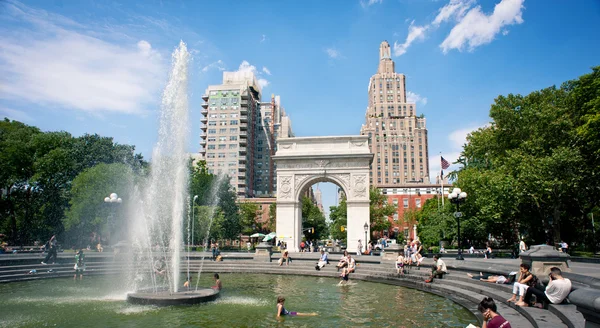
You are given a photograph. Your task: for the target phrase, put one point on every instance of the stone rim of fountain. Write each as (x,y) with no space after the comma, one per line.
(165,297)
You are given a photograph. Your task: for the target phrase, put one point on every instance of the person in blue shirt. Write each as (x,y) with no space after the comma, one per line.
(322,261)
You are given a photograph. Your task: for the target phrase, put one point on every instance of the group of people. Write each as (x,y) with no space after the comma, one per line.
(527,285)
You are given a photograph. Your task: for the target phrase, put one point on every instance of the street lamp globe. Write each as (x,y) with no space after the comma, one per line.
(457,197)
(366,226)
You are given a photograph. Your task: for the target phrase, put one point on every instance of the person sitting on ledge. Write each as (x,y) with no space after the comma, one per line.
(526,280)
(322,261)
(343,261)
(438,269)
(400,261)
(285,257)
(557,290)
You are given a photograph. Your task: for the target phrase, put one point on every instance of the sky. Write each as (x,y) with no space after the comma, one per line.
(100,66)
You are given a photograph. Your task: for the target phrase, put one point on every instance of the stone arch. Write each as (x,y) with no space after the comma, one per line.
(302,162)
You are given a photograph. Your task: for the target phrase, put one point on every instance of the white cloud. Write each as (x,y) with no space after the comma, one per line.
(368,3)
(263,38)
(476,28)
(49,59)
(412,97)
(13,114)
(245,66)
(472,27)
(333,53)
(266,71)
(218,65)
(454,9)
(414,33)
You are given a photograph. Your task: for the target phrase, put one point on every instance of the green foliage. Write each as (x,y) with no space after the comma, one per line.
(380,210)
(212,191)
(338,216)
(249,215)
(312,217)
(533,170)
(37,170)
(208,224)
(88,213)
(271,225)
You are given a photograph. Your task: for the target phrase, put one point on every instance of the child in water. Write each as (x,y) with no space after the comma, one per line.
(217,285)
(79,264)
(282,311)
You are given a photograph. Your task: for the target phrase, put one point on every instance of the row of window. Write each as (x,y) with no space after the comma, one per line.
(224,130)
(223,138)
(405,202)
(220,155)
(222,146)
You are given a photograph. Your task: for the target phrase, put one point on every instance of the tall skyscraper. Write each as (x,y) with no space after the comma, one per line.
(239,133)
(398,137)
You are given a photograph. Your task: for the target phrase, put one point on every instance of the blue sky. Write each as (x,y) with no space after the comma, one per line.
(99,66)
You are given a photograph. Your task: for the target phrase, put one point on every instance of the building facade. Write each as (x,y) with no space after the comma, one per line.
(408,198)
(238,133)
(398,137)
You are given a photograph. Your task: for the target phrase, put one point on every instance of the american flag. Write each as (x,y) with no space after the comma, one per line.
(445,164)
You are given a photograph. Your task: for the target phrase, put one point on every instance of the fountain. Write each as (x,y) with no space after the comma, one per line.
(157,222)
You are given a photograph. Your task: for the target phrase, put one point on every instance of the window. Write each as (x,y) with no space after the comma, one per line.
(212,123)
(212,139)
(211,146)
(210,155)
(221,155)
(212,131)
(418,202)
(233,130)
(233,122)
(223,123)
(395,202)
(405,202)
(233,138)
(232,146)
(222,146)
(395,216)
(222,138)
(222,130)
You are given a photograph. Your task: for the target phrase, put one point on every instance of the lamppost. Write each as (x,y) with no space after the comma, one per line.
(366,226)
(457,197)
(193,218)
(112,198)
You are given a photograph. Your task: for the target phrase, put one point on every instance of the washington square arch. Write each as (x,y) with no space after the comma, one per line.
(302,162)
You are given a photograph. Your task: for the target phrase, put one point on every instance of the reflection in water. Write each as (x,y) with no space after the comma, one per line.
(247,300)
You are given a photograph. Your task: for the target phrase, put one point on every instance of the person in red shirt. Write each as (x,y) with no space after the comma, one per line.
(491,319)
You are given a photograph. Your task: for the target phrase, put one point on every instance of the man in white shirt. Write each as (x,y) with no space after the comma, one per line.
(322,261)
(438,269)
(557,290)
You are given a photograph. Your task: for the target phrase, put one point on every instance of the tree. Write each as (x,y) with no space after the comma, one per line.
(272,224)
(312,217)
(249,213)
(88,213)
(208,224)
(338,216)
(533,170)
(379,210)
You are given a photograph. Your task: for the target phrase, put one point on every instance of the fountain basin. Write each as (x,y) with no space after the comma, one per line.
(167,298)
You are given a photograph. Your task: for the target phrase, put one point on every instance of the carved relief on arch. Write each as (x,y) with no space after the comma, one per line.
(285,186)
(359,185)
(345,179)
(299,179)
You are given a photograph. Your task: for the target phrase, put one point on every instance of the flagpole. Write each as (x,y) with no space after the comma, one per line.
(442,180)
